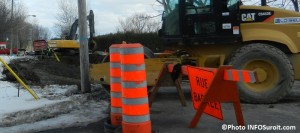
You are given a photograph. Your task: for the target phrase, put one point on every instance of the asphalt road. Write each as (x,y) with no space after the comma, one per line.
(175,119)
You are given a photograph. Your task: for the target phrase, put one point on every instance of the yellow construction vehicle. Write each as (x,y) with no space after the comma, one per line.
(211,33)
(68,44)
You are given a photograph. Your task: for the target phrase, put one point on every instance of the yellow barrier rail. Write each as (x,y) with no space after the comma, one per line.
(20,80)
(58,60)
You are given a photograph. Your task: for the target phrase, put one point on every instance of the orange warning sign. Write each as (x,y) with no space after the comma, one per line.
(200,81)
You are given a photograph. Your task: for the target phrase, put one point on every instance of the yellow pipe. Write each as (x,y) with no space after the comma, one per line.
(58,60)
(20,81)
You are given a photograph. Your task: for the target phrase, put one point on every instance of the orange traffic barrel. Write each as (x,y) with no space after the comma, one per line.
(135,107)
(115,85)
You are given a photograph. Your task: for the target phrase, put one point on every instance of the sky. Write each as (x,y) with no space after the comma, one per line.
(107,12)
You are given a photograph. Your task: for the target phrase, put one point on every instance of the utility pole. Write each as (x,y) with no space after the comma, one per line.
(12,27)
(84,51)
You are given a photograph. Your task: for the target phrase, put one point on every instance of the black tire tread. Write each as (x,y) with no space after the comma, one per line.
(239,52)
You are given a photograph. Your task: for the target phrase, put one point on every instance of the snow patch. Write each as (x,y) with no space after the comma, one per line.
(10,102)
(90,113)
(59,106)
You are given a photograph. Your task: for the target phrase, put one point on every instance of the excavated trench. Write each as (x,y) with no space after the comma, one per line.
(45,70)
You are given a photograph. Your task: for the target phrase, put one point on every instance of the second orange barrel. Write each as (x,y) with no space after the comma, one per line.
(135,107)
(115,84)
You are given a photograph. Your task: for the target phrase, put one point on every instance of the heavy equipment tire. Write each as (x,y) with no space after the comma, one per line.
(274,71)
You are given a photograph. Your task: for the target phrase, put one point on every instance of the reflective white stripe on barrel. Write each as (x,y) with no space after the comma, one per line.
(114,65)
(116,110)
(116,94)
(114,50)
(135,101)
(134,84)
(115,80)
(139,50)
(136,119)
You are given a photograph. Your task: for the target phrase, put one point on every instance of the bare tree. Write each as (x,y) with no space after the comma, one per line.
(44,33)
(5,20)
(138,23)
(66,15)
(7,23)
(39,32)
(285,4)
(163,3)
(23,31)
(296,5)
(23,35)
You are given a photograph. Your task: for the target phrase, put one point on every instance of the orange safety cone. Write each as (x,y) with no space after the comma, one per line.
(135,107)
(115,86)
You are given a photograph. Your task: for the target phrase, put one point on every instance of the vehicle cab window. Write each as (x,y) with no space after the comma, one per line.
(171,17)
(232,5)
(198,6)
(170,6)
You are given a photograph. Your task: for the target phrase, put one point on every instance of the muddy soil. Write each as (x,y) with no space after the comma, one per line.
(46,70)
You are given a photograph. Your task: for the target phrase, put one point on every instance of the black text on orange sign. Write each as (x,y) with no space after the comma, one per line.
(202,82)
(198,97)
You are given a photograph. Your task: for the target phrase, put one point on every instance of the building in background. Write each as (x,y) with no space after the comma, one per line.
(3,45)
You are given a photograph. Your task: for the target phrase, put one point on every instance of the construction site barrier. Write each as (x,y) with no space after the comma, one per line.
(165,79)
(135,107)
(230,75)
(115,86)
(210,87)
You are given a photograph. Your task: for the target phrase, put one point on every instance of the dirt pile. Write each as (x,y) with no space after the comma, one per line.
(46,71)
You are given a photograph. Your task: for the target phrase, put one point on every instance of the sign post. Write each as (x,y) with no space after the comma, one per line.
(165,79)
(209,89)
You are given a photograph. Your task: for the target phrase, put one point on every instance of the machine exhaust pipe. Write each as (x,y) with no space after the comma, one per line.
(263,2)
